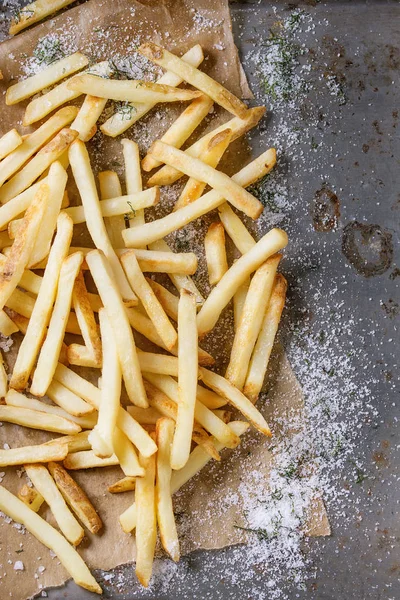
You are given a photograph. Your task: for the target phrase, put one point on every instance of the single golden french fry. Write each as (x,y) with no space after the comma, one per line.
(209,398)
(165,512)
(126,484)
(254,308)
(214,244)
(116,312)
(146,530)
(158,261)
(34,12)
(110,189)
(49,76)
(76,498)
(30,497)
(156,230)
(158,363)
(50,537)
(67,400)
(197,78)
(84,179)
(167,299)
(102,435)
(86,459)
(37,420)
(14,161)
(238,302)
(90,354)
(45,484)
(269,244)
(127,457)
(15,264)
(35,167)
(75,443)
(148,299)
(187,379)
(236,229)
(144,416)
(32,454)
(50,351)
(20,322)
(262,351)
(7,326)
(15,207)
(41,312)
(118,122)
(211,155)
(3,378)
(87,117)
(8,142)
(168,174)
(182,128)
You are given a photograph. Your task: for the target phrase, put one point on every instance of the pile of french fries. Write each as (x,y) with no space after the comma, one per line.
(179,412)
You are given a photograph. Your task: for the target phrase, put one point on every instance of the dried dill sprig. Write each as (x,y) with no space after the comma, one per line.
(48,50)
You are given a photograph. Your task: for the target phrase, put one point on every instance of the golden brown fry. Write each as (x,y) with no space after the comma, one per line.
(87,459)
(37,420)
(67,400)
(87,117)
(30,497)
(133,176)
(146,530)
(214,244)
(7,326)
(110,189)
(8,142)
(236,229)
(238,302)
(75,443)
(127,484)
(34,12)
(33,454)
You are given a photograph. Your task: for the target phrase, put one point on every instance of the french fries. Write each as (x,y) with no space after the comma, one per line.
(7,326)
(33,454)
(214,244)
(46,486)
(48,357)
(87,117)
(75,443)
(14,266)
(45,78)
(34,12)
(165,513)
(126,484)
(148,299)
(76,498)
(110,188)
(68,401)
(30,497)
(238,302)
(41,312)
(8,142)
(117,315)
(118,123)
(50,537)
(269,244)
(37,420)
(84,179)
(151,232)
(197,78)
(254,307)
(126,455)
(262,351)
(236,229)
(146,528)
(101,437)
(167,299)
(182,128)
(144,416)
(187,379)
(158,363)
(3,378)
(86,459)
(133,176)
(129,90)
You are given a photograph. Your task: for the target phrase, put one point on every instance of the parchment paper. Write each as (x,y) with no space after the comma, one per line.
(209,523)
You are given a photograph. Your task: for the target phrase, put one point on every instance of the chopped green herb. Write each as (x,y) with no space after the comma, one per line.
(25,13)
(125,109)
(314,144)
(132,212)
(48,50)
(19,551)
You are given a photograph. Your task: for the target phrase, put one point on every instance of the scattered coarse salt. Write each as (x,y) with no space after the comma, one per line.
(19,566)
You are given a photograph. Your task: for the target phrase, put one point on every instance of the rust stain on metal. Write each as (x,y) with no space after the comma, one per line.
(325,210)
(369,248)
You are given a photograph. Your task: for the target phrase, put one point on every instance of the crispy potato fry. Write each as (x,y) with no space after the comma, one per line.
(3,378)
(32,454)
(15,264)
(56,182)
(87,117)
(214,243)
(5,239)
(144,416)
(224,415)
(146,530)
(165,512)
(50,537)
(87,459)
(45,78)
(197,78)
(126,484)
(158,261)
(30,497)
(75,443)
(41,312)
(8,142)
(133,176)
(262,351)
(89,355)
(37,420)
(158,363)
(148,299)
(236,229)
(35,167)
(102,435)
(85,182)
(126,455)
(209,398)
(7,326)
(116,312)
(15,207)
(40,107)
(211,155)
(29,280)
(235,397)
(187,379)
(14,161)
(76,498)
(118,123)
(110,187)
(269,244)
(129,90)
(254,308)
(46,486)
(50,351)
(35,12)
(238,302)
(168,174)
(194,167)
(68,401)
(182,128)
(167,299)
(156,230)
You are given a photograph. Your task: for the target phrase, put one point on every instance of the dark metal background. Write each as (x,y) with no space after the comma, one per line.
(362,558)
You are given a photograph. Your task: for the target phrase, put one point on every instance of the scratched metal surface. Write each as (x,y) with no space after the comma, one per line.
(362,560)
